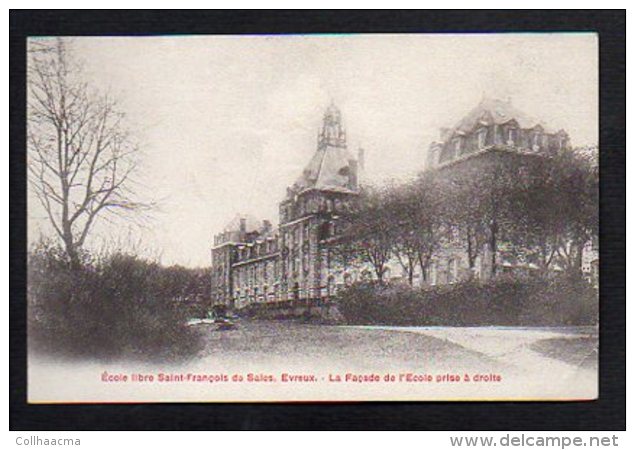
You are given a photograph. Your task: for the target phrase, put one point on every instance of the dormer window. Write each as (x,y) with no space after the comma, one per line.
(457,145)
(481,138)
(512,134)
(536,141)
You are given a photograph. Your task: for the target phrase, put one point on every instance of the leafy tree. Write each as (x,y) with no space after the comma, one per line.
(417,226)
(366,236)
(556,211)
(477,202)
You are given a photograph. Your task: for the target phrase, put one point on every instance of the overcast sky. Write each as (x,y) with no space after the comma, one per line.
(226,123)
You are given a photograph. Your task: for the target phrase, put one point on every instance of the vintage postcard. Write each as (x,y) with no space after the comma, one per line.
(273,218)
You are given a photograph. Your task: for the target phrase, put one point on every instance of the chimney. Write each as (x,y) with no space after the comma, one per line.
(360,158)
(266,226)
(352,174)
(243,225)
(432,155)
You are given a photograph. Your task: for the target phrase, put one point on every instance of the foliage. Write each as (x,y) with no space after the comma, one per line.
(418,222)
(542,207)
(367,236)
(119,306)
(504,301)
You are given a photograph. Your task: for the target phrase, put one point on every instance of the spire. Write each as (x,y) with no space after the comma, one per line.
(332,132)
(332,166)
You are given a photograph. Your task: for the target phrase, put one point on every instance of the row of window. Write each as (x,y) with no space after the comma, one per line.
(257,249)
(507,135)
(258,273)
(308,205)
(294,237)
(249,290)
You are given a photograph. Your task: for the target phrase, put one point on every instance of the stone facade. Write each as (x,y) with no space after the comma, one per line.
(254,264)
(494,134)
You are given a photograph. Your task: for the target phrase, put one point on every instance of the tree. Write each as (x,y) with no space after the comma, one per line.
(366,237)
(80,156)
(580,190)
(417,226)
(479,202)
(557,211)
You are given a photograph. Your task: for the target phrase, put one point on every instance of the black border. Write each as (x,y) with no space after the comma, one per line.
(607,413)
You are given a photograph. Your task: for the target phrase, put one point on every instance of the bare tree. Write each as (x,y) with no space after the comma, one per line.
(81,157)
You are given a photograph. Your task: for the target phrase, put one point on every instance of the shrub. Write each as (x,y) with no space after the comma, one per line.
(115,307)
(503,301)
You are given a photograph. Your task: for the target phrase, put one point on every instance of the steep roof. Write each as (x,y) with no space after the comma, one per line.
(495,111)
(328,169)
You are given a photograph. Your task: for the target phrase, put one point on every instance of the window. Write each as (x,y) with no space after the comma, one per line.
(306,232)
(511,136)
(331,285)
(477,268)
(456,143)
(451,270)
(481,137)
(305,261)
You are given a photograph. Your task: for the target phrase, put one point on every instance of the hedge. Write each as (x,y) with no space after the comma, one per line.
(506,301)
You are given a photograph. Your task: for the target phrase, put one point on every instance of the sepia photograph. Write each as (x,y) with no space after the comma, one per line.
(313,217)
